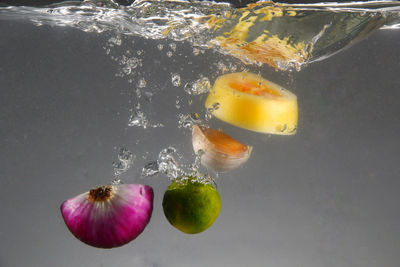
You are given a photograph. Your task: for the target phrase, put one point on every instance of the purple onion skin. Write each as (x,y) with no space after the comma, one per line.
(112,222)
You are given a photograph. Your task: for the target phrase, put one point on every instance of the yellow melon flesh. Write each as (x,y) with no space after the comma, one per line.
(248,101)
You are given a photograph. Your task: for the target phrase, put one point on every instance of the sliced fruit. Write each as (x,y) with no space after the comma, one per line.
(248,101)
(190,206)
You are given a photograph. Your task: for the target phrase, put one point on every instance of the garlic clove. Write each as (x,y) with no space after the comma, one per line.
(109,216)
(221,152)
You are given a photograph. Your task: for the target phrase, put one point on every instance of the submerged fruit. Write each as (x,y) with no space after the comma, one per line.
(109,216)
(220,151)
(190,206)
(248,101)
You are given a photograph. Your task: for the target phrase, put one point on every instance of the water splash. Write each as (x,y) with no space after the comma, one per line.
(224,68)
(168,164)
(281,35)
(150,169)
(124,163)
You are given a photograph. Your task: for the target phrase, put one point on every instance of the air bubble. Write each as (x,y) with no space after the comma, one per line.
(176,79)
(116,181)
(150,169)
(172,46)
(282,128)
(125,161)
(198,87)
(210,110)
(115,41)
(142,83)
(188,120)
(138,92)
(196,51)
(294,129)
(138,118)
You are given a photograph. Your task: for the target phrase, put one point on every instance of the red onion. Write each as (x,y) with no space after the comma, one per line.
(109,216)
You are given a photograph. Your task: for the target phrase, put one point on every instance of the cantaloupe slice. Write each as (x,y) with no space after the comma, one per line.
(248,101)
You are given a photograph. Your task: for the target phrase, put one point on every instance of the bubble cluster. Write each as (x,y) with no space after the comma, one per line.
(188,120)
(168,165)
(125,161)
(138,118)
(198,87)
(165,164)
(176,79)
(210,110)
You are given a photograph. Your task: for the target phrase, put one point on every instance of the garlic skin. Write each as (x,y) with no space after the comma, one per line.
(221,152)
(109,216)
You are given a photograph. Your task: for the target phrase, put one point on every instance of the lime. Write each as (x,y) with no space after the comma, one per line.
(191,206)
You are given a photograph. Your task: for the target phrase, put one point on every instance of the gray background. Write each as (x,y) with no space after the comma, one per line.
(327,196)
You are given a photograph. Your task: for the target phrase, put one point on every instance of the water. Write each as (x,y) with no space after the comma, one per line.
(284,36)
(94,95)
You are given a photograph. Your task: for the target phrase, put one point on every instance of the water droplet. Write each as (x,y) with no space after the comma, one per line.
(160,47)
(176,79)
(169,54)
